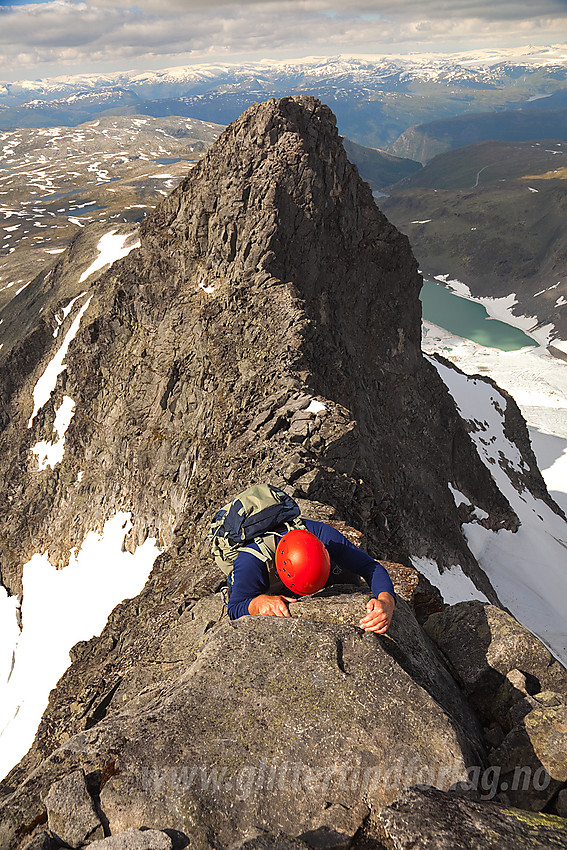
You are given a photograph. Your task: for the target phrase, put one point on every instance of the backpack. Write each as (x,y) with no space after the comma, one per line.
(252,516)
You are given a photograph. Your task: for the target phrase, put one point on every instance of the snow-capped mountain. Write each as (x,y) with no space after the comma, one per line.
(504,66)
(375,98)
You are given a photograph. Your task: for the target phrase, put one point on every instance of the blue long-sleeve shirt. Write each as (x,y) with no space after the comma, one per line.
(250,575)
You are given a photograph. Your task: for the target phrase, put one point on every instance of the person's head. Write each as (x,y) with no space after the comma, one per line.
(302,562)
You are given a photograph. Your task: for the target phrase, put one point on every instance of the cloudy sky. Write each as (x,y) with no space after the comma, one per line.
(50,37)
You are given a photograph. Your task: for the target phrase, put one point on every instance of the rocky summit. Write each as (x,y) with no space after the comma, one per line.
(267,280)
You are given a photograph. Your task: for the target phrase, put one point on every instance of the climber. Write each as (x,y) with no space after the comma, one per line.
(305,561)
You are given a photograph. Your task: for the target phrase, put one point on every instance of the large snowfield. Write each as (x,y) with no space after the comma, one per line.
(528,568)
(538,383)
(59,608)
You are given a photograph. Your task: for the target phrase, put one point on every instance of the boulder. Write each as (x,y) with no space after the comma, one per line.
(270,709)
(71,813)
(274,842)
(533,757)
(483,645)
(519,691)
(42,841)
(561,803)
(430,819)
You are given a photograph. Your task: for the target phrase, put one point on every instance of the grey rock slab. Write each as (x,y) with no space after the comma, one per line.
(135,839)
(71,814)
(405,641)
(307,709)
(430,819)
(483,645)
(277,707)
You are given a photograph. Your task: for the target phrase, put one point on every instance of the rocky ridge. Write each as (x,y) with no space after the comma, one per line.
(267,279)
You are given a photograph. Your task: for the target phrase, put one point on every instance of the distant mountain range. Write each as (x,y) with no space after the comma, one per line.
(375,99)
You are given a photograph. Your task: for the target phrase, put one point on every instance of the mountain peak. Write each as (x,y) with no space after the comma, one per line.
(282,155)
(269,275)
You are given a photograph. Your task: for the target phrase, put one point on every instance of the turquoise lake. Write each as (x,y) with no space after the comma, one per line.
(468,319)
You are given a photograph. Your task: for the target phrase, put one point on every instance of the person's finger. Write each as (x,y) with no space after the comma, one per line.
(379,630)
(372,615)
(372,620)
(372,627)
(289,598)
(376,623)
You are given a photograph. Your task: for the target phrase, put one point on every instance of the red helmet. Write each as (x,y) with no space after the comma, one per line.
(302,562)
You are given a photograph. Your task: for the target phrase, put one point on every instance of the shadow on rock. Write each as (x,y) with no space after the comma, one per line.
(519,691)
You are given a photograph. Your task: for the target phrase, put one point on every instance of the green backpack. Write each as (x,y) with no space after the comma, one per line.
(252,516)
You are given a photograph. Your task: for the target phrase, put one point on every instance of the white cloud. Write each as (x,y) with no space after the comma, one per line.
(76,34)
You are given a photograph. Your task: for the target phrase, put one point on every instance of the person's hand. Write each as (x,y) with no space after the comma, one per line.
(379,614)
(271,606)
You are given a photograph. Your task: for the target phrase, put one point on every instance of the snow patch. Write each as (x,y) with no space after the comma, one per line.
(49,454)
(452,583)
(65,311)
(555,285)
(59,608)
(460,498)
(551,453)
(46,384)
(9,633)
(21,289)
(527,568)
(110,248)
(315,406)
(208,289)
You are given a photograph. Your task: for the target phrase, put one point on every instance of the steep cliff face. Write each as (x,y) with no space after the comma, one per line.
(266,280)
(267,274)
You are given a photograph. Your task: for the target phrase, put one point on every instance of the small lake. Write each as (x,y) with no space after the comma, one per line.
(164,160)
(84,210)
(468,319)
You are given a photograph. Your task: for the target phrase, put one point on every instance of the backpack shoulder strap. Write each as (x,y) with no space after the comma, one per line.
(268,543)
